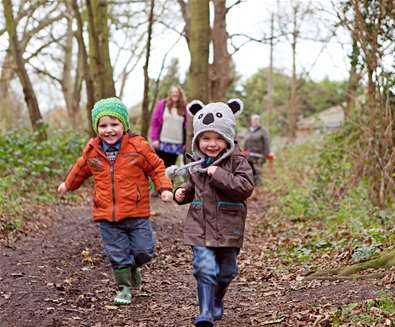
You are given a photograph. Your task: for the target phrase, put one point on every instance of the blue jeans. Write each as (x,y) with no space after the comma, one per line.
(215,266)
(128,242)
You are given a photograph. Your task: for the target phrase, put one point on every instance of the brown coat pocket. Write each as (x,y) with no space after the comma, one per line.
(231,219)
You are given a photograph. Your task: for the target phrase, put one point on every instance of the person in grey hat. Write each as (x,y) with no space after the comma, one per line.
(217,189)
(256,147)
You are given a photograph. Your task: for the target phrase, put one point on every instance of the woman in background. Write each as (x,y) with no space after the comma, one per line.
(168,126)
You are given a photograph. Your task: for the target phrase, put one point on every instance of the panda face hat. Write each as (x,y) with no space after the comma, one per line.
(216,117)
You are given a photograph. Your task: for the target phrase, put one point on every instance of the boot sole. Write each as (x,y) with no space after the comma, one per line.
(204,324)
(120,302)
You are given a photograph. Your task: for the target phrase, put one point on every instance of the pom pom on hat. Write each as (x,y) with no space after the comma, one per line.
(112,107)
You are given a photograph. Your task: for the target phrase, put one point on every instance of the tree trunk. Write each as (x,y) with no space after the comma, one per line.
(269,102)
(76,99)
(100,62)
(90,90)
(385,260)
(145,113)
(7,75)
(354,76)
(220,72)
(30,97)
(293,102)
(67,80)
(187,19)
(199,49)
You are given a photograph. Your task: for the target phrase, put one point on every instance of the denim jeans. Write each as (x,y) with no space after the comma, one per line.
(215,266)
(128,242)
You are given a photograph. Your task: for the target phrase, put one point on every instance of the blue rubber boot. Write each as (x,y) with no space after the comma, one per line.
(206,303)
(218,310)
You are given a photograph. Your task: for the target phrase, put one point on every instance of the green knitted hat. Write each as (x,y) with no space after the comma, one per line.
(110,107)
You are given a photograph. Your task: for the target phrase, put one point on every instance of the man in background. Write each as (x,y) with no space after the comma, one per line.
(256,147)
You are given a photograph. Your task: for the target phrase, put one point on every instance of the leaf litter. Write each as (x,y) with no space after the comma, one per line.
(57,275)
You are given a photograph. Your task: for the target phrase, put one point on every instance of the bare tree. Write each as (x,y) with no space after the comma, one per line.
(99,51)
(374,40)
(220,72)
(187,19)
(83,53)
(270,70)
(290,25)
(30,96)
(354,77)
(199,49)
(145,114)
(7,75)
(67,81)
(372,24)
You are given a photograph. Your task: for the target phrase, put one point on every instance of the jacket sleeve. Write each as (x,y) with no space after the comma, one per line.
(78,173)
(154,167)
(247,142)
(266,144)
(189,192)
(238,184)
(157,120)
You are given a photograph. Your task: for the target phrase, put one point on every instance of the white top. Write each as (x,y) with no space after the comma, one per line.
(172,128)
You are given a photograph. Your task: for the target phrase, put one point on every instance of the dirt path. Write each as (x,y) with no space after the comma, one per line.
(59,277)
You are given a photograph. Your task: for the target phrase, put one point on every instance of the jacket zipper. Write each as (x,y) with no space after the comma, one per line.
(112,170)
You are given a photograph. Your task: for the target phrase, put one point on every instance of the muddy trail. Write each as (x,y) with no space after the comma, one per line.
(58,276)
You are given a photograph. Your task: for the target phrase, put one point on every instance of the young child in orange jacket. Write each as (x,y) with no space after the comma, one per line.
(120,163)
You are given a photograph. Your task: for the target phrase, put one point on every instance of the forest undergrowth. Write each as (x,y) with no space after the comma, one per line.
(315,215)
(326,221)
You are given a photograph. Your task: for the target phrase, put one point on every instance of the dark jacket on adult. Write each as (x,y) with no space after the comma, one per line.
(257,141)
(216,217)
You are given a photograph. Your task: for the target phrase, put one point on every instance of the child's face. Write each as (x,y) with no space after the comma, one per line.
(212,144)
(109,129)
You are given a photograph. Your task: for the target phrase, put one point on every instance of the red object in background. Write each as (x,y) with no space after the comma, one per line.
(270,156)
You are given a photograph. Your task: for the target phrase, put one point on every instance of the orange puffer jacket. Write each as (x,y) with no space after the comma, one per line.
(121,189)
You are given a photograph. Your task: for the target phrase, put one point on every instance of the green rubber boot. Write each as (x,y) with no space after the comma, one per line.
(136,277)
(123,278)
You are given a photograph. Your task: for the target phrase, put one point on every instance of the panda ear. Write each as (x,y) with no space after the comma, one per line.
(194,106)
(236,105)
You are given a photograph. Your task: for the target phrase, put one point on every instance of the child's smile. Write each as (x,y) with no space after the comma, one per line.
(212,144)
(109,129)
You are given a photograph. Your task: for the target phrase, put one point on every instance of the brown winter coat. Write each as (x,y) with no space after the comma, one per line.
(218,210)
(121,190)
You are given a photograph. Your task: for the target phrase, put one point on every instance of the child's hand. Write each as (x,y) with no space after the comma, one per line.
(180,194)
(166,196)
(62,188)
(155,144)
(211,170)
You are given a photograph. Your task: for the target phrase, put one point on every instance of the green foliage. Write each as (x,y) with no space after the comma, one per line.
(254,95)
(314,96)
(317,191)
(370,312)
(30,170)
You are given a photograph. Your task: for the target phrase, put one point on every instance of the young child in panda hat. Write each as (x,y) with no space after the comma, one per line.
(217,189)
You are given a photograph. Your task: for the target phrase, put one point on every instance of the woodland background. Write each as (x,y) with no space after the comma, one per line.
(337,186)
